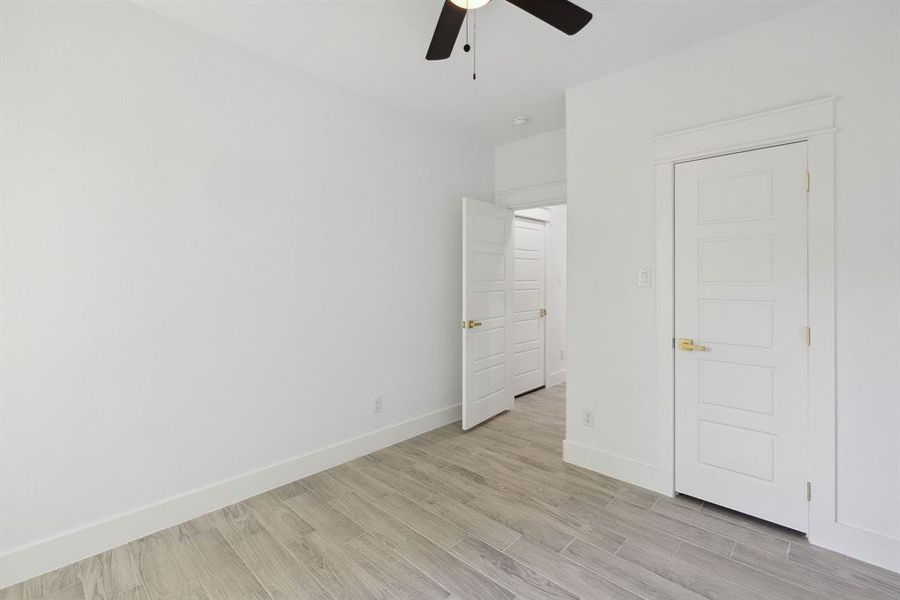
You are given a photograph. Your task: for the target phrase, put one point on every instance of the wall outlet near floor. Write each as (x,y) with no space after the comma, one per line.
(377,405)
(587,417)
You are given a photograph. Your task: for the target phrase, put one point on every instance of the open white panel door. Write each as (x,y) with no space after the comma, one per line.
(487,311)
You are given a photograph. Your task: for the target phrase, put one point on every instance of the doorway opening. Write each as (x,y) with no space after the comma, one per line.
(539,342)
(513,322)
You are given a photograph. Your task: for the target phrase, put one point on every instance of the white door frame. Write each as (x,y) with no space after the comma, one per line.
(814,123)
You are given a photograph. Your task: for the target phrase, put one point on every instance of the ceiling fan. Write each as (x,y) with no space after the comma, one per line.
(561,14)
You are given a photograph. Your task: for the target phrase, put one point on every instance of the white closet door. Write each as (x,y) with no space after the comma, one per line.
(741,299)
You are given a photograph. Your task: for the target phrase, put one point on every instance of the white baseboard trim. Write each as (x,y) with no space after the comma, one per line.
(40,557)
(613,465)
(867,546)
(556,378)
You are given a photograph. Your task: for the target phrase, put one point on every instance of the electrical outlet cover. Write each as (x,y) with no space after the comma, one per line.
(587,417)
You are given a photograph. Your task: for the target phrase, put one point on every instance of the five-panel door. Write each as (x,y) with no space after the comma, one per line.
(740,320)
(487,311)
(529,312)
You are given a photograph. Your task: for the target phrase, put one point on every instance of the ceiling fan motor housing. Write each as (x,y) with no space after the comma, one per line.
(560,14)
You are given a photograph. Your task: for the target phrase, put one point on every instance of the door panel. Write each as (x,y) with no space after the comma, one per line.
(487,311)
(741,291)
(527,301)
(529,331)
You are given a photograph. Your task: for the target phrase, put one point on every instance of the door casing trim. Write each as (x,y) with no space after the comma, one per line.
(814,123)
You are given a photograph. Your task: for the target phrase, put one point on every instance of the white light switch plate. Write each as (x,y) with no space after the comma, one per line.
(643,277)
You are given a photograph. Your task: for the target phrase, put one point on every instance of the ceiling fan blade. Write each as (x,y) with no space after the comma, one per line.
(448,26)
(562,14)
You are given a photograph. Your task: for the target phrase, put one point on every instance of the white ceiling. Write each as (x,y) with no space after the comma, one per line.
(377,49)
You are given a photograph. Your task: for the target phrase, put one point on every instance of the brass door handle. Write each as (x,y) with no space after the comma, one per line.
(543,312)
(689,346)
(471,324)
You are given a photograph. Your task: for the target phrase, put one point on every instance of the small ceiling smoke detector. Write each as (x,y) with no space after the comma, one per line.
(520,120)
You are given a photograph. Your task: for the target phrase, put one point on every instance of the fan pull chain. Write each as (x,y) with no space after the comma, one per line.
(474,46)
(467,47)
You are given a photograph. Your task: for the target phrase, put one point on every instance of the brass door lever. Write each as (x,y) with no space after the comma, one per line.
(471,324)
(689,346)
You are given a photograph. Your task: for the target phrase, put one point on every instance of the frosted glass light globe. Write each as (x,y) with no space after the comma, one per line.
(470,4)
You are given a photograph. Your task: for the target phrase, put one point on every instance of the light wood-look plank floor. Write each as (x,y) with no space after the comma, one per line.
(492,514)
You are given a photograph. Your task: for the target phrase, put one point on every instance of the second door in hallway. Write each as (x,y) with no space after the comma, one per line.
(528,307)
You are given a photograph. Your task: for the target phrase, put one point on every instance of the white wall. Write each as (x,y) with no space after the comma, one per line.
(205,256)
(849,50)
(531,172)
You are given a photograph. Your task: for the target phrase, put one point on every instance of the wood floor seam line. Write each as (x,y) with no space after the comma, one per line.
(512,542)
(563,549)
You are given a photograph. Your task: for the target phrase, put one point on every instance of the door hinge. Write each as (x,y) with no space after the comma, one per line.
(807,335)
(673,343)
(808,181)
(808,491)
